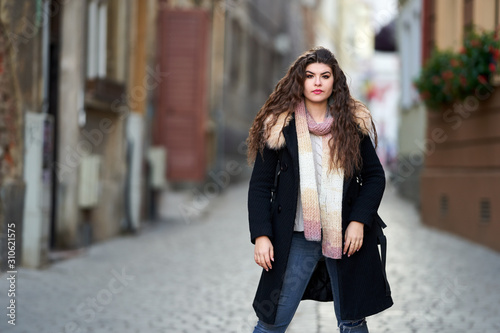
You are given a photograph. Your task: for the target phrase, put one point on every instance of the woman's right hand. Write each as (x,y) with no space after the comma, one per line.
(264,252)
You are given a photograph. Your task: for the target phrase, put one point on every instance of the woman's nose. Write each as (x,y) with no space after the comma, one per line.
(317,81)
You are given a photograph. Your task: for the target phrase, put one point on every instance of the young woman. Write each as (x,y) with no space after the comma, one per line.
(315,189)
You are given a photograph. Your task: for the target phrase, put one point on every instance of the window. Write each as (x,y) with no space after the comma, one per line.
(97,38)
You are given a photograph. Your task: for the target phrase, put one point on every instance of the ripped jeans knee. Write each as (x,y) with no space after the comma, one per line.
(355,326)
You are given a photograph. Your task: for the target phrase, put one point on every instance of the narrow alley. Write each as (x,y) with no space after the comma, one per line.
(198,275)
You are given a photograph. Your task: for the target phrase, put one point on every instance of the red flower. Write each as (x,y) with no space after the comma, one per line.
(447,75)
(475,43)
(454,62)
(492,67)
(463,80)
(436,79)
(482,79)
(463,50)
(425,95)
(495,53)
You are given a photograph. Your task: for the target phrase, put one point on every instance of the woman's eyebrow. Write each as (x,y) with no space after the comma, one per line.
(327,72)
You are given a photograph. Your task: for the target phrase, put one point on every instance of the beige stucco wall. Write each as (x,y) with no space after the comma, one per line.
(483,14)
(459,182)
(71,82)
(449,24)
(449,21)
(107,217)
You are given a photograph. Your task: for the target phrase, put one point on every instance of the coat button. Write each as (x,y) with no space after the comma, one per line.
(284,167)
(279,208)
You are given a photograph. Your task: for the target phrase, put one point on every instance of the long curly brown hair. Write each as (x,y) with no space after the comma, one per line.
(289,92)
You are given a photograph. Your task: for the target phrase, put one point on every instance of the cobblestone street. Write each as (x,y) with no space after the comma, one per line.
(199,276)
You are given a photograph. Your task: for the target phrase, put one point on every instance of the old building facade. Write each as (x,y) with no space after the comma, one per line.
(22,95)
(77,80)
(231,54)
(459,182)
(412,113)
(101,85)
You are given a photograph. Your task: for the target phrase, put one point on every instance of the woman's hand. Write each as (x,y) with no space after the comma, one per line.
(264,252)
(353,237)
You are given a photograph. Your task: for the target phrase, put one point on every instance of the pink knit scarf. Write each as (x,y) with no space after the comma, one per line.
(322,214)
(321,129)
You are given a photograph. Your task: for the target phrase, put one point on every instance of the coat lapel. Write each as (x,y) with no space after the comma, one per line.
(290,134)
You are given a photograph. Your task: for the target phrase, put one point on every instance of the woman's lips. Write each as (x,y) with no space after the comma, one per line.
(317,92)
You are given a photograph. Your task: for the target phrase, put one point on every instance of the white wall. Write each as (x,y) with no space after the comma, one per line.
(71,85)
(410,49)
(36,218)
(413,117)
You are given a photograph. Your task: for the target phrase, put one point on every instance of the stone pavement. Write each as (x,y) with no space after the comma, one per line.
(198,275)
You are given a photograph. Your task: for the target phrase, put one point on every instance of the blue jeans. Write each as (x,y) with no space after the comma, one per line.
(303,258)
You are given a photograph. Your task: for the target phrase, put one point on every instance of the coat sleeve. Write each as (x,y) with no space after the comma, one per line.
(365,206)
(259,194)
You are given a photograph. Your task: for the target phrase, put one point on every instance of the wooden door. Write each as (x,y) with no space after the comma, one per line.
(181,114)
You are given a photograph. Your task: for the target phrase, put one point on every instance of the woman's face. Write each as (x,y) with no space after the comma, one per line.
(318,85)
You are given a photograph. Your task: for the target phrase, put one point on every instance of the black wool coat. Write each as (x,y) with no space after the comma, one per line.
(363,285)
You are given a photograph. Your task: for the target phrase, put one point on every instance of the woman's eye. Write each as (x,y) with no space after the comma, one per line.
(309,76)
(326,77)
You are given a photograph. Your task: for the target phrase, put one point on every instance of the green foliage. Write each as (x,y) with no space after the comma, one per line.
(450,76)
(436,83)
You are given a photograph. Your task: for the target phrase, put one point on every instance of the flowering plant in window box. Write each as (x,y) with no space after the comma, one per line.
(450,76)
(480,55)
